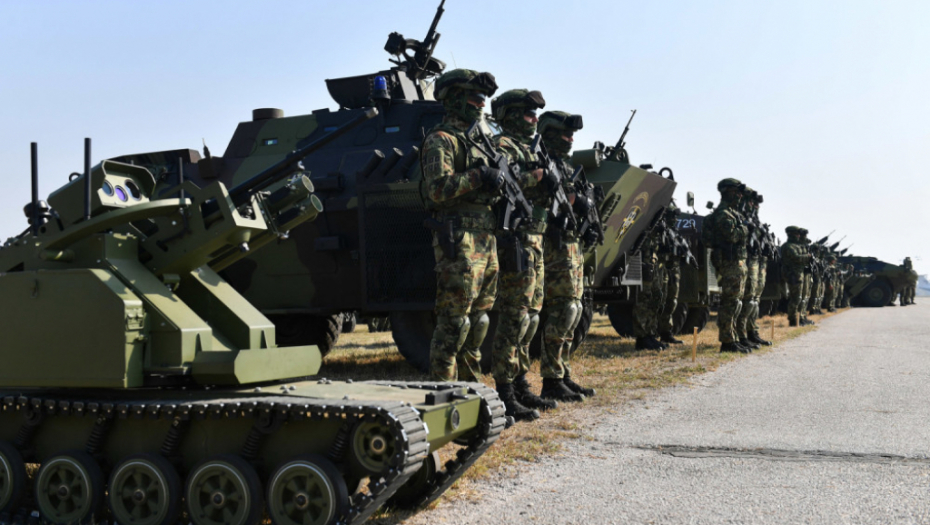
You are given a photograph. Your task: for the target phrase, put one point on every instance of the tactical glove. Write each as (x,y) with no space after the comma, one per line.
(590,238)
(551,180)
(492,179)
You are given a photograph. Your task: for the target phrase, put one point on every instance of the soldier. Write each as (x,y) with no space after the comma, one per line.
(794,260)
(520,295)
(460,187)
(672,278)
(650,299)
(564,281)
(808,281)
(831,283)
(724,231)
(746,328)
(910,291)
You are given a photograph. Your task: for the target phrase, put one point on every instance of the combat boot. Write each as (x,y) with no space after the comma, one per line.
(792,322)
(749,344)
(642,343)
(754,337)
(656,344)
(733,347)
(576,388)
(521,389)
(669,338)
(513,407)
(832,309)
(554,388)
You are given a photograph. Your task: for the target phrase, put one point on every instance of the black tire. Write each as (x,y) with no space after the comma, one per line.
(349,322)
(678,318)
(621,318)
(149,475)
(413,331)
(239,477)
(301,329)
(877,294)
(13,476)
(697,317)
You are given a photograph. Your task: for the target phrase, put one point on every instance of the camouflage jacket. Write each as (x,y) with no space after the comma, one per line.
(452,170)
(724,232)
(519,153)
(794,257)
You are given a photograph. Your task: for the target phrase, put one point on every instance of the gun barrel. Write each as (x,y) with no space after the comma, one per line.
(242,193)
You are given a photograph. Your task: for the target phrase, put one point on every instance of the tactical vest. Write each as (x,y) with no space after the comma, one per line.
(538,195)
(712,235)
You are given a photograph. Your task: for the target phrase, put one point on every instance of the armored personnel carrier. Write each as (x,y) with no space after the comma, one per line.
(136,377)
(887,282)
(369,251)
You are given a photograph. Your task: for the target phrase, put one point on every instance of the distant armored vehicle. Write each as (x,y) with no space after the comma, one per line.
(889,280)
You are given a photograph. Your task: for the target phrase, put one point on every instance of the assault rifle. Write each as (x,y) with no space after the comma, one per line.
(514,208)
(671,241)
(561,215)
(587,198)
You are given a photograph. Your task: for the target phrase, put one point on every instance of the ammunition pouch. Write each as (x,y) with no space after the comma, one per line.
(445,225)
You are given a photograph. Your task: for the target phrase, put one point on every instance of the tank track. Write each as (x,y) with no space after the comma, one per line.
(403,420)
(490,425)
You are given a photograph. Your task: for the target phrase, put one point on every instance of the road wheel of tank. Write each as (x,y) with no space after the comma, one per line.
(69,488)
(299,330)
(621,318)
(349,322)
(411,493)
(697,318)
(12,477)
(412,331)
(223,490)
(679,317)
(308,490)
(584,326)
(877,294)
(373,446)
(145,489)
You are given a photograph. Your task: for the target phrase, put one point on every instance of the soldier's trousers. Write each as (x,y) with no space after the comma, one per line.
(746,321)
(829,292)
(806,292)
(731,275)
(795,295)
(753,326)
(649,301)
(564,285)
(519,301)
(465,290)
(673,284)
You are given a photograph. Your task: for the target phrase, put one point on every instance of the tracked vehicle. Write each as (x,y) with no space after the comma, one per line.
(369,251)
(140,381)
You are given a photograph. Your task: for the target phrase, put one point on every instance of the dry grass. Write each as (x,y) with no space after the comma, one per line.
(605,362)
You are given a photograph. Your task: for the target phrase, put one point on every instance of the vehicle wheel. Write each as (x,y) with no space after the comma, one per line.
(678,318)
(224,490)
(584,326)
(373,447)
(877,294)
(697,317)
(621,318)
(300,330)
(12,477)
(411,493)
(145,489)
(413,331)
(69,488)
(349,321)
(308,490)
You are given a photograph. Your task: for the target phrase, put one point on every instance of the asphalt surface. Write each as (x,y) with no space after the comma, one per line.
(831,427)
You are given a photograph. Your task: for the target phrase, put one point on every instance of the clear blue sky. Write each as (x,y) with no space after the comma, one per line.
(820,105)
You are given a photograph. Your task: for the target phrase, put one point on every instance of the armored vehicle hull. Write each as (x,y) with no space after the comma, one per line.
(888,281)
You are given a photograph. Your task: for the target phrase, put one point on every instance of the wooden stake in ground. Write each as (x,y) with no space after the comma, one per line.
(694,347)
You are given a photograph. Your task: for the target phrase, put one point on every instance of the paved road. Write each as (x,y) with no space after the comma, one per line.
(832,427)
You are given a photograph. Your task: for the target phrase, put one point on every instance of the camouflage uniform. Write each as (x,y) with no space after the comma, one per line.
(808,282)
(564,284)
(651,297)
(672,285)
(794,259)
(725,232)
(456,188)
(746,327)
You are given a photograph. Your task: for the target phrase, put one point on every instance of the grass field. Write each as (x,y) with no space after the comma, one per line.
(605,362)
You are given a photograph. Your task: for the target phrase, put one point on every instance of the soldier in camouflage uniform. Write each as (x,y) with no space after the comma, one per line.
(520,295)
(564,281)
(725,232)
(808,282)
(651,296)
(671,262)
(747,330)
(794,260)
(910,291)
(459,187)
(829,282)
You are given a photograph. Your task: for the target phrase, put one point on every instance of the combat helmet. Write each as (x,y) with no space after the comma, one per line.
(510,108)
(455,88)
(727,183)
(793,230)
(553,125)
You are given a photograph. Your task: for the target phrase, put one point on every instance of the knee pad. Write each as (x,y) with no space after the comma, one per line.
(479,328)
(576,310)
(531,326)
(524,327)
(455,325)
